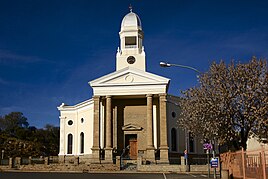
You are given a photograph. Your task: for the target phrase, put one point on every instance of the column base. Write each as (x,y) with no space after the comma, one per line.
(95,157)
(150,155)
(163,155)
(108,155)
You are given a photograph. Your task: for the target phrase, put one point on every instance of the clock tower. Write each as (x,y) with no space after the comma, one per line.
(131,51)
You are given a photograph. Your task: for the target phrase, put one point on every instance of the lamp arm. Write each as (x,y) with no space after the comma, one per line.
(184,66)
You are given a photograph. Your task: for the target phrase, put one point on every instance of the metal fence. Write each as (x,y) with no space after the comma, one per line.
(198,161)
(25,161)
(30,160)
(53,159)
(4,161)
(38,160)
(246,164)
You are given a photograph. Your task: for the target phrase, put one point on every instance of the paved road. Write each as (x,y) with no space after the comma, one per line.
(16,175)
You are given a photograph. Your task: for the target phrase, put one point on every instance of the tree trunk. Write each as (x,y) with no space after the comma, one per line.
(244,138)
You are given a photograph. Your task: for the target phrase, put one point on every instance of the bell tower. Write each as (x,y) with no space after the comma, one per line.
(131,51)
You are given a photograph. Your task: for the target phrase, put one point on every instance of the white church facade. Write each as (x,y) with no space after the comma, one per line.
(130,109)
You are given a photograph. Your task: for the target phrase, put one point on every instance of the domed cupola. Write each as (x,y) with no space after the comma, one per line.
(131,20)
(131,52)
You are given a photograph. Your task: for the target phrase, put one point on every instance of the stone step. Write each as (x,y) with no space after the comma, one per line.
(130,162)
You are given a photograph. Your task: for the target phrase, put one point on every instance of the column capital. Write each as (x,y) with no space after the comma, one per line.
(96,97)
(149,95)
(163,95)
(108,96)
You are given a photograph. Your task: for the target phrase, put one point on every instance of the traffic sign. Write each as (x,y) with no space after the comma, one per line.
(214,162)
(207,146)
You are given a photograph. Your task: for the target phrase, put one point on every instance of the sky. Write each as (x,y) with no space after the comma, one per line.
(51,49)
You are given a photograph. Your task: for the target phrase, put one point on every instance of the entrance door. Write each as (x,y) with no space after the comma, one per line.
(133,148)
(131,140)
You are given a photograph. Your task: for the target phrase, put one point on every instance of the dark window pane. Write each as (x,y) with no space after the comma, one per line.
(70,144)
(173,139)
(130,41)
(82,143)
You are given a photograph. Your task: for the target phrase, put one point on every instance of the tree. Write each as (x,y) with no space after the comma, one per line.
(17,138)
(230,104)
(13,121)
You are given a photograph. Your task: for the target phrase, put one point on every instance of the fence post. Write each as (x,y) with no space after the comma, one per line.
(243,164)
(46,160)
(182,160)
(118,162)
(229,162)
(263,162)
(17,162)
(10,162)
(30,160)
(225,174)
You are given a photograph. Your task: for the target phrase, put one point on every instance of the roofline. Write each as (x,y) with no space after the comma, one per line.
(164,80)
(63,106)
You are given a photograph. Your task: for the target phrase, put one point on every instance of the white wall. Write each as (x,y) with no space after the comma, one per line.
(254,144)
(76,113)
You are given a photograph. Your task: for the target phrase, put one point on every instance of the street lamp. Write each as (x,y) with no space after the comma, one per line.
(164,64)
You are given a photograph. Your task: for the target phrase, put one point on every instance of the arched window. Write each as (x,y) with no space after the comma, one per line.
(173,139)
(82,142)
(70,144)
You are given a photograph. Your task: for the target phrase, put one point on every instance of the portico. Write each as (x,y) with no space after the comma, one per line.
(137,117)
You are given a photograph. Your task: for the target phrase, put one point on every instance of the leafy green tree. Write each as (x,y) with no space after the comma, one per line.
(17,138)
(230,104)
(12,122)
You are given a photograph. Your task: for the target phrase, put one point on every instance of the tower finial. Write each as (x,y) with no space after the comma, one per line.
(130,8)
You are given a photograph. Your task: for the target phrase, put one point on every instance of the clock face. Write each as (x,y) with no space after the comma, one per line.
(131,59)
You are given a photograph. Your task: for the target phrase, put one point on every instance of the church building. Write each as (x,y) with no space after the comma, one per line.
(130,111)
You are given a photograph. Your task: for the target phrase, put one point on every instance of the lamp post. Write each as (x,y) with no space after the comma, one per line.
(165,64)
(186,150)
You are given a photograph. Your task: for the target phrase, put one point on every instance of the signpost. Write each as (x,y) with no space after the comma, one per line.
(208,146)
(214,163)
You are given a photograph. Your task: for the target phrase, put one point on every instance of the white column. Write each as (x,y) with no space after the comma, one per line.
(155,126)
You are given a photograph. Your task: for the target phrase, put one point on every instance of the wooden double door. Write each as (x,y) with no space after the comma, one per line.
(131,141)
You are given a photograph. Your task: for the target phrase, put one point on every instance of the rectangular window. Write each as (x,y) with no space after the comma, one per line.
(130,42)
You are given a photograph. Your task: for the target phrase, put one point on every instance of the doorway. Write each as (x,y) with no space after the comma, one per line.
(131,141)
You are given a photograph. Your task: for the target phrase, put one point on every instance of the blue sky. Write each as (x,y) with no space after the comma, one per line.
(50,49)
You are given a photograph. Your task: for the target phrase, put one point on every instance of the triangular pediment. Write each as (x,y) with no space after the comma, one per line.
(129,76)
(131,127)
